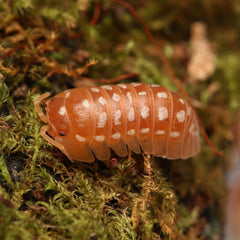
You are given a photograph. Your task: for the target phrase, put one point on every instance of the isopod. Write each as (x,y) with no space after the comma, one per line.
(82,122)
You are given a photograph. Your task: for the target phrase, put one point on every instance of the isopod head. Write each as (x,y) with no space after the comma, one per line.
(59,132)
(57,117)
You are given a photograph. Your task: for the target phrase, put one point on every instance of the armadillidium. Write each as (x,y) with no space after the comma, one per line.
(82,122)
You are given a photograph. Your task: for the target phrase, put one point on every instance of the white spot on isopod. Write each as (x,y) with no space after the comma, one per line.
(102,120)
(67,94)
(62,110)
(85,103)
(191,129)
(154,85)
(144,112)
(78,109)
(136,84)
(102,100)
(122,86)
(162,113)
(144,130)
(181,101)
(181,116)
(106,87)
(131,132)
(189,110)
(117,116)
(159,132)
(174,134)
(142,93)
(131,115)
(195,133)
(99,138)
(162,95)
(80,138)
(95,89)
(129,97)
(116,135)
(116,97)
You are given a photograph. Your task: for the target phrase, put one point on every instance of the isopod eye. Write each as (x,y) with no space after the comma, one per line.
(57,116)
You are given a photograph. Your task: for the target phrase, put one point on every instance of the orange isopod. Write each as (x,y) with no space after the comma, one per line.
(147,118)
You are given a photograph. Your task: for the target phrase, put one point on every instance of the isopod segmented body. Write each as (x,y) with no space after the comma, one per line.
(147,118)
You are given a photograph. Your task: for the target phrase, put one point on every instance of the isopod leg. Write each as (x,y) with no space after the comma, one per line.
(43,133)
(37,106)
(129,153)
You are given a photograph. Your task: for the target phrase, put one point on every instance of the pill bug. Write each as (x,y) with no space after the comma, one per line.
(82,122)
